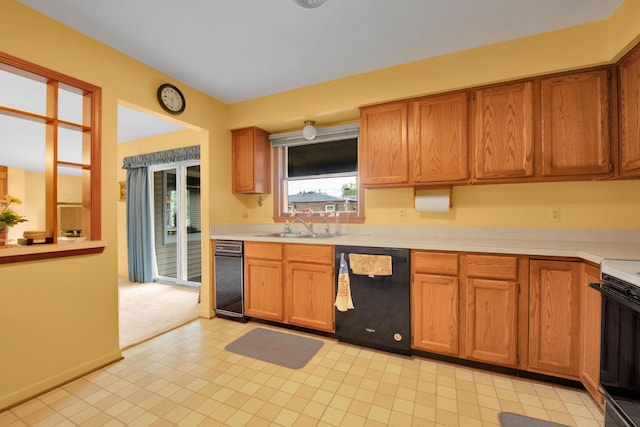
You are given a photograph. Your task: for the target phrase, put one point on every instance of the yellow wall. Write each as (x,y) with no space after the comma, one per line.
(59,318)
(583,204)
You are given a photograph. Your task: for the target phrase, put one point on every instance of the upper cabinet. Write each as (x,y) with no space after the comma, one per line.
(575,129)
(629,84)
(250,161)
(503,132)
(550,128)
(384,154)
(440,138)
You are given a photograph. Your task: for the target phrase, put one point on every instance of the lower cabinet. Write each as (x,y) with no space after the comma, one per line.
(466,305)
(491,309)
(554,317)
(263,275)
(435,302)
(309,287)
(290,283)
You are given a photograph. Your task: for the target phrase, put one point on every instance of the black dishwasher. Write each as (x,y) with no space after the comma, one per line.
(229,283)
(381,317)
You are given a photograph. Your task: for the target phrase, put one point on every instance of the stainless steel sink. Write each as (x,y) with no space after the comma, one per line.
(297,235)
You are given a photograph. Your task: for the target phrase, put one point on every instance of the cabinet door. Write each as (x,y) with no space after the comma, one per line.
(575,125)
(310,296)
(491,321)
(554,309)
(250,161)
(629,83)
(503,132)
(263,289)
(435,313)
(590,312)
(384,147)
(441,138)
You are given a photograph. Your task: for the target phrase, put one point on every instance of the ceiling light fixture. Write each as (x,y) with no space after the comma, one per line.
(311,4)
(309,130)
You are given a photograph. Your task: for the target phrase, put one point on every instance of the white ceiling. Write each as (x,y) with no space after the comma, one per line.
(236,50)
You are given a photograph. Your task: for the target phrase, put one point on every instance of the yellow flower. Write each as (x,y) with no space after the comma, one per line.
(10,199)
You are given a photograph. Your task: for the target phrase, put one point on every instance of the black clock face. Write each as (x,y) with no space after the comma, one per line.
(171,99)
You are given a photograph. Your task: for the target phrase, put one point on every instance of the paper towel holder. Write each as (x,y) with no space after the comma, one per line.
(416,189)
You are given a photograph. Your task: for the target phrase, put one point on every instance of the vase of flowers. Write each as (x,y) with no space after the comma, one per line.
(8,217)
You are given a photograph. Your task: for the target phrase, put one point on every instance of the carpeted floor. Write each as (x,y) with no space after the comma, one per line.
(150,309)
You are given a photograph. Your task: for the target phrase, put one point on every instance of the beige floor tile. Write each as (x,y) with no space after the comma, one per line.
(427,412)
(467,421)
(351,420)
(185,377)
(314,409)
(398,419)
(560,417)
(446,418)
(379,414)
(333,416)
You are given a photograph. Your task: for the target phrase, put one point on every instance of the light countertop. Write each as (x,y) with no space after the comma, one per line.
(589,245)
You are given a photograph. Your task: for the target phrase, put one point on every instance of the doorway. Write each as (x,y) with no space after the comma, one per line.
(176,223)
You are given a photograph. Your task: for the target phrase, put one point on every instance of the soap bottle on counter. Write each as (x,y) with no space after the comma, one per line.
(287,228)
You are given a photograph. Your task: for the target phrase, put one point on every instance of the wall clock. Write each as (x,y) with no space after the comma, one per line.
(171,99)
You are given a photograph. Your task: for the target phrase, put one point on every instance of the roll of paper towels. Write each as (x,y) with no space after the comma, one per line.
(432,203)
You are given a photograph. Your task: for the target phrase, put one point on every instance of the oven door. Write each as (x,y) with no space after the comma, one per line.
(620,344)
(613,416)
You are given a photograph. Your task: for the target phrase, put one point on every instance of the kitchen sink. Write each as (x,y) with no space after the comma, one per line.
(297,235)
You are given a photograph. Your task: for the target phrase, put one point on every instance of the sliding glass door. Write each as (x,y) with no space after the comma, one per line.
(175,216)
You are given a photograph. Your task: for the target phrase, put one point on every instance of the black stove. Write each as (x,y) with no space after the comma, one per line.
(620,341)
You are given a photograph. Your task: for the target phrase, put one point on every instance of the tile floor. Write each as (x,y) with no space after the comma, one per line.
(186,378)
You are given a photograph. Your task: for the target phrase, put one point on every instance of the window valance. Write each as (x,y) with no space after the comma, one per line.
(333,133)
(160,157)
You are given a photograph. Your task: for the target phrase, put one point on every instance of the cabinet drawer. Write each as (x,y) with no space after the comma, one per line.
(263,250)
(492,266)
(317,254)
(445,263)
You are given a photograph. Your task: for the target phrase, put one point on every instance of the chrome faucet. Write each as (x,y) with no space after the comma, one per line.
(307,225)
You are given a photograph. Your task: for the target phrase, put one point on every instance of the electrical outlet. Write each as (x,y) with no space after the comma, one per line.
(402,213)
(554,214)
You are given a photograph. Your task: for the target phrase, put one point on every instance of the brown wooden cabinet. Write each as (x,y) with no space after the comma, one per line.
(263,280)
(384,146)
(440,139)
(629,114)
(590,311)
(575,129)
(309,286)
(561,127)
(554,317)
(503,132)
(290,283)
(491,308)
(435,302)
(250,161)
